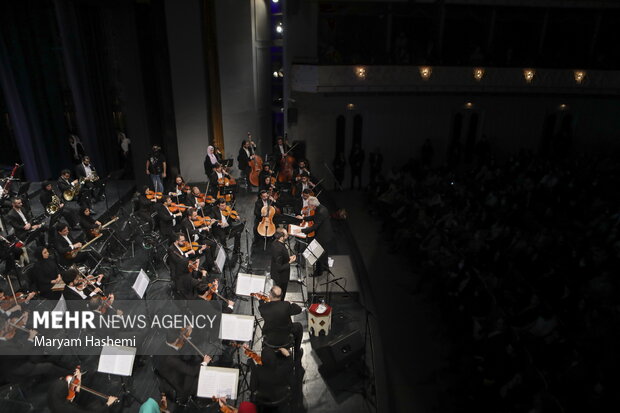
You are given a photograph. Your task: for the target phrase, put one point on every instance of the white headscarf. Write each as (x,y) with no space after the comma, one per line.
(212,156)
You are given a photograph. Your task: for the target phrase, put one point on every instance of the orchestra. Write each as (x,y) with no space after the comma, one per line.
(193,222)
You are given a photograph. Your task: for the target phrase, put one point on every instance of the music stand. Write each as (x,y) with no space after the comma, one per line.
(312,253)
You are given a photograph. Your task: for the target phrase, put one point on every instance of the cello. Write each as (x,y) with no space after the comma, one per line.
(266,227)
(256,164)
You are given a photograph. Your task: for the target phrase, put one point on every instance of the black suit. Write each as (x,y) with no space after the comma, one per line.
(89,189)
(270,382)
(45,197)
(58,403)
(63,185)
(280,266)
(178,371)
(17,223)
(234,229)
(243,159)
(278,324)
(167,223)
(62,247)
(322,227)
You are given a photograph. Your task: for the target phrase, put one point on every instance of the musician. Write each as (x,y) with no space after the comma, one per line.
(64,182)
(146,207)
(322,228)
(303,184)
(201,234)
(91,187)
(270,381)
(64,243)
(302,168)
(281,261)
(156,168)
(262,176)
(264,200)
(302,202)
(246,154)
(277,317)
(175,189)
(45,197)
(9,253)
(46,274)
(168,221)
(76,290)
(213,158)
(193,200)
(88,223)
(280,149)
(178,256)
(268,183)
(227,227)
(21,221)
(218,173)
(180,372)
(58,403)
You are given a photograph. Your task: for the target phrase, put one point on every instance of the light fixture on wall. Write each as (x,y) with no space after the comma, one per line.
(563,106)
(279,28)
(580,75)
(469,105)
(275,1)
(528,75)
(360,72)
(275,74)
(425,72)
(478,73)
(350,106)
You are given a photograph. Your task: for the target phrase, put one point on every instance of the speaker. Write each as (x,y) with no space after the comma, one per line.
(291,115)
(341,351)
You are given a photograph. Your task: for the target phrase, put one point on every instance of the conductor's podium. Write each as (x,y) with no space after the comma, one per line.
(318,322)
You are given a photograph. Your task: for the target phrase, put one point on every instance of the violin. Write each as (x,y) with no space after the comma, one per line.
(211,291)
(229,212)
(193,265)
(75,386)
(174,208)
(185,337)
(7,302)
(248,352)
(190,246)
(202,221)
(153,195)
(207,199)
(306,211)
(11,328)
(261,296)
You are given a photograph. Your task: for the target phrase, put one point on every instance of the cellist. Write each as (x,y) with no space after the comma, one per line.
(264,200)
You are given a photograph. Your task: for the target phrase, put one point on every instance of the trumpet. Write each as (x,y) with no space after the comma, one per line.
(53,206)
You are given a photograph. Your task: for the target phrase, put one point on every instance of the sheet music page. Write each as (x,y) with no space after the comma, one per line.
(258,283)
(236,327)
(141,283)
(117,360)
(250,283)
(220,260)
(218,382)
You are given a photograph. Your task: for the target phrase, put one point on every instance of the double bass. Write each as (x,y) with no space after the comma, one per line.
(286,163)
(256,165)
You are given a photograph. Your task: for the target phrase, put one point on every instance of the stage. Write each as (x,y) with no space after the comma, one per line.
(336,374)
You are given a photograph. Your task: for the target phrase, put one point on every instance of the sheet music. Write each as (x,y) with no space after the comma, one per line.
(141,283)
(250,283)
(218,382)
(295,230)
(237,327)
(117,360)
(60,286)
(221,259)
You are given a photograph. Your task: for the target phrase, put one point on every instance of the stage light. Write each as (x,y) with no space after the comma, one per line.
(279,28)
(579,76)
(360,72)
(275,1)
(469,105)
(425,72)
(563,106)
(350,106)
(478,73)
(280,73)
(275,74)
(529,74)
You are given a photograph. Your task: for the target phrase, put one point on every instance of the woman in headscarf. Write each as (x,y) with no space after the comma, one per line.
(211,160)
(46,274)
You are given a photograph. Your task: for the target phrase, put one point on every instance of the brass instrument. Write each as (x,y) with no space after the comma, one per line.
(93,177)
(53,206)
(72,192)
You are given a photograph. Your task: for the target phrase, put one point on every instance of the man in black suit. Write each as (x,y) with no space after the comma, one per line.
(280,150)
(278,325)
(270,381)
(169,222)
(64,243)
(322,227)
(64,182)
(57,400)
(177,257)
(281,261)
(21,221)
(246,154)
(91,189)
(226,227)
(179,372)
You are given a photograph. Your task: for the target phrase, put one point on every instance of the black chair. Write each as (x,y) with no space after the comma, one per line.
(289,344)
(265,403)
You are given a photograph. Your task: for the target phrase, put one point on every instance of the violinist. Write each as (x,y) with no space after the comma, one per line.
(169,219)
(302,202)
(246,154)
(59,391)
(322,227)
(88,223)
(146,205)
(197,199)
(8,305)
(178,371)
(211,290)
(213,158)
(303,184)
(64,243)
(188,277)
(180,251)
(175,190)
(199,230)
(227,226)
(264,174)
(45,197)
(270,381)
(302,168)
(79,288)
(46,274)
(277,316)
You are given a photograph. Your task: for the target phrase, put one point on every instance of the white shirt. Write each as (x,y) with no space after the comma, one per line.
(21,214)
(68,240)
(174,218)
(247,151)
(281,149)
(224,220)
(88,170)
(81,293)
(304,203)
(219,174)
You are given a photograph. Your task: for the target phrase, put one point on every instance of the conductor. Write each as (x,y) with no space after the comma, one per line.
(322,227)
(281,261)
